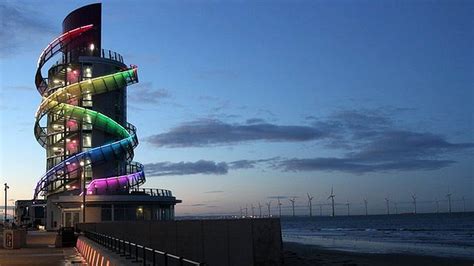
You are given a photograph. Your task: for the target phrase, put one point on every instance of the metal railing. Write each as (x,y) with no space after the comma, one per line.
(154,192)
(138,253)
(104,53)
(108,54)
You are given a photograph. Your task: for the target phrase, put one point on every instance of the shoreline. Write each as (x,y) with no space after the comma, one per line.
(297,254)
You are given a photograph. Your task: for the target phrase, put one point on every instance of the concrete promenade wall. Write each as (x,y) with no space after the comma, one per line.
(214,242)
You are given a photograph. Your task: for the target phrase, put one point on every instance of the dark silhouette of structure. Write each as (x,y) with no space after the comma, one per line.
(332,201)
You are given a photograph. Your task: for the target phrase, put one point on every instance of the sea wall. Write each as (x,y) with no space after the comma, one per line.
(214,242)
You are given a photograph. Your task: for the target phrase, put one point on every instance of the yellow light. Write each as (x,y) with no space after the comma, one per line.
(91,47)
(81,163)
(56,81)
(68,186)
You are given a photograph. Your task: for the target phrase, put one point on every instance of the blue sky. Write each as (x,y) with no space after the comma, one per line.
(241,101)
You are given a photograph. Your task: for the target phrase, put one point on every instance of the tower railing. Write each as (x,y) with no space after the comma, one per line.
(104,53)
(156,192)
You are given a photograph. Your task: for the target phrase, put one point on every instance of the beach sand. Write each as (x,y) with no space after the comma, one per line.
(303,255)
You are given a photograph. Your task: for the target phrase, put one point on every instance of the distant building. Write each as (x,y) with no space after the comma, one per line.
(89,143)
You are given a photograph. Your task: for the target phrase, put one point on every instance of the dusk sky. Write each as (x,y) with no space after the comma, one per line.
(242,101)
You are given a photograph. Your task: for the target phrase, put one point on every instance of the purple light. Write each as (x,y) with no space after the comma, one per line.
(113,185)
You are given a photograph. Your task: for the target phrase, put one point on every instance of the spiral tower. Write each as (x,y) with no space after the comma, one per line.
(86,135)
(82,123)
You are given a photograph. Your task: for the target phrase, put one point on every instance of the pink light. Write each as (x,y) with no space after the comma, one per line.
(71,123)
(63,37)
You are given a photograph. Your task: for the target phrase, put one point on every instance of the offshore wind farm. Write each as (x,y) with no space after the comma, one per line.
(428,227)
(384,207)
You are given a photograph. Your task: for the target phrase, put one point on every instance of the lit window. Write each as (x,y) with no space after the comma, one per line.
(87,140)
(88,72)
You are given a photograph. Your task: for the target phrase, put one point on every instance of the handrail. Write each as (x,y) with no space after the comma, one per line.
(139,253)
(154,191)
(104,53)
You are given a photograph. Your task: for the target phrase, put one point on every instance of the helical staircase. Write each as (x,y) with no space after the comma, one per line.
(62,103)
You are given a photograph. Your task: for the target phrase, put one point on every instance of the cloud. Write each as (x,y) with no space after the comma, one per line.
(145,93)
(355,166)
(215,132)
(243,164)
(369,141)
(19,26)
(202,167)
(390,145)
(255,121)
(358,120)
(214,191)
(186,168)
(248,164)
(385,151)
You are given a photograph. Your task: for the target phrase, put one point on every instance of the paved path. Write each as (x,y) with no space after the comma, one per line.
(40,250)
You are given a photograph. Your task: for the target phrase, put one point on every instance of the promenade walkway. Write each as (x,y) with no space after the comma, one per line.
(40,250)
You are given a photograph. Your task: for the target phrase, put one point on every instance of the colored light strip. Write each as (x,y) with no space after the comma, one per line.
(58,40)
(58,103)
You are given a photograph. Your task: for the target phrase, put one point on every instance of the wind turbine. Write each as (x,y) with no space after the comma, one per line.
(292,200)
(365,203)
(396,207)
(414,202)
(253,209)
(332,200)
(246,210)
(320,209)
(348,208)
(310,205)
(449,201)
(260,209)
(241,212)
(269,204)
(388,205)
(279,206)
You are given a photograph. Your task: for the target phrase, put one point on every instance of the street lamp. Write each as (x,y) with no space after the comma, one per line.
(5,217)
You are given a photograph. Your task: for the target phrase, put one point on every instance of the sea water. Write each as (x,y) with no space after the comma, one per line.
(444,234)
